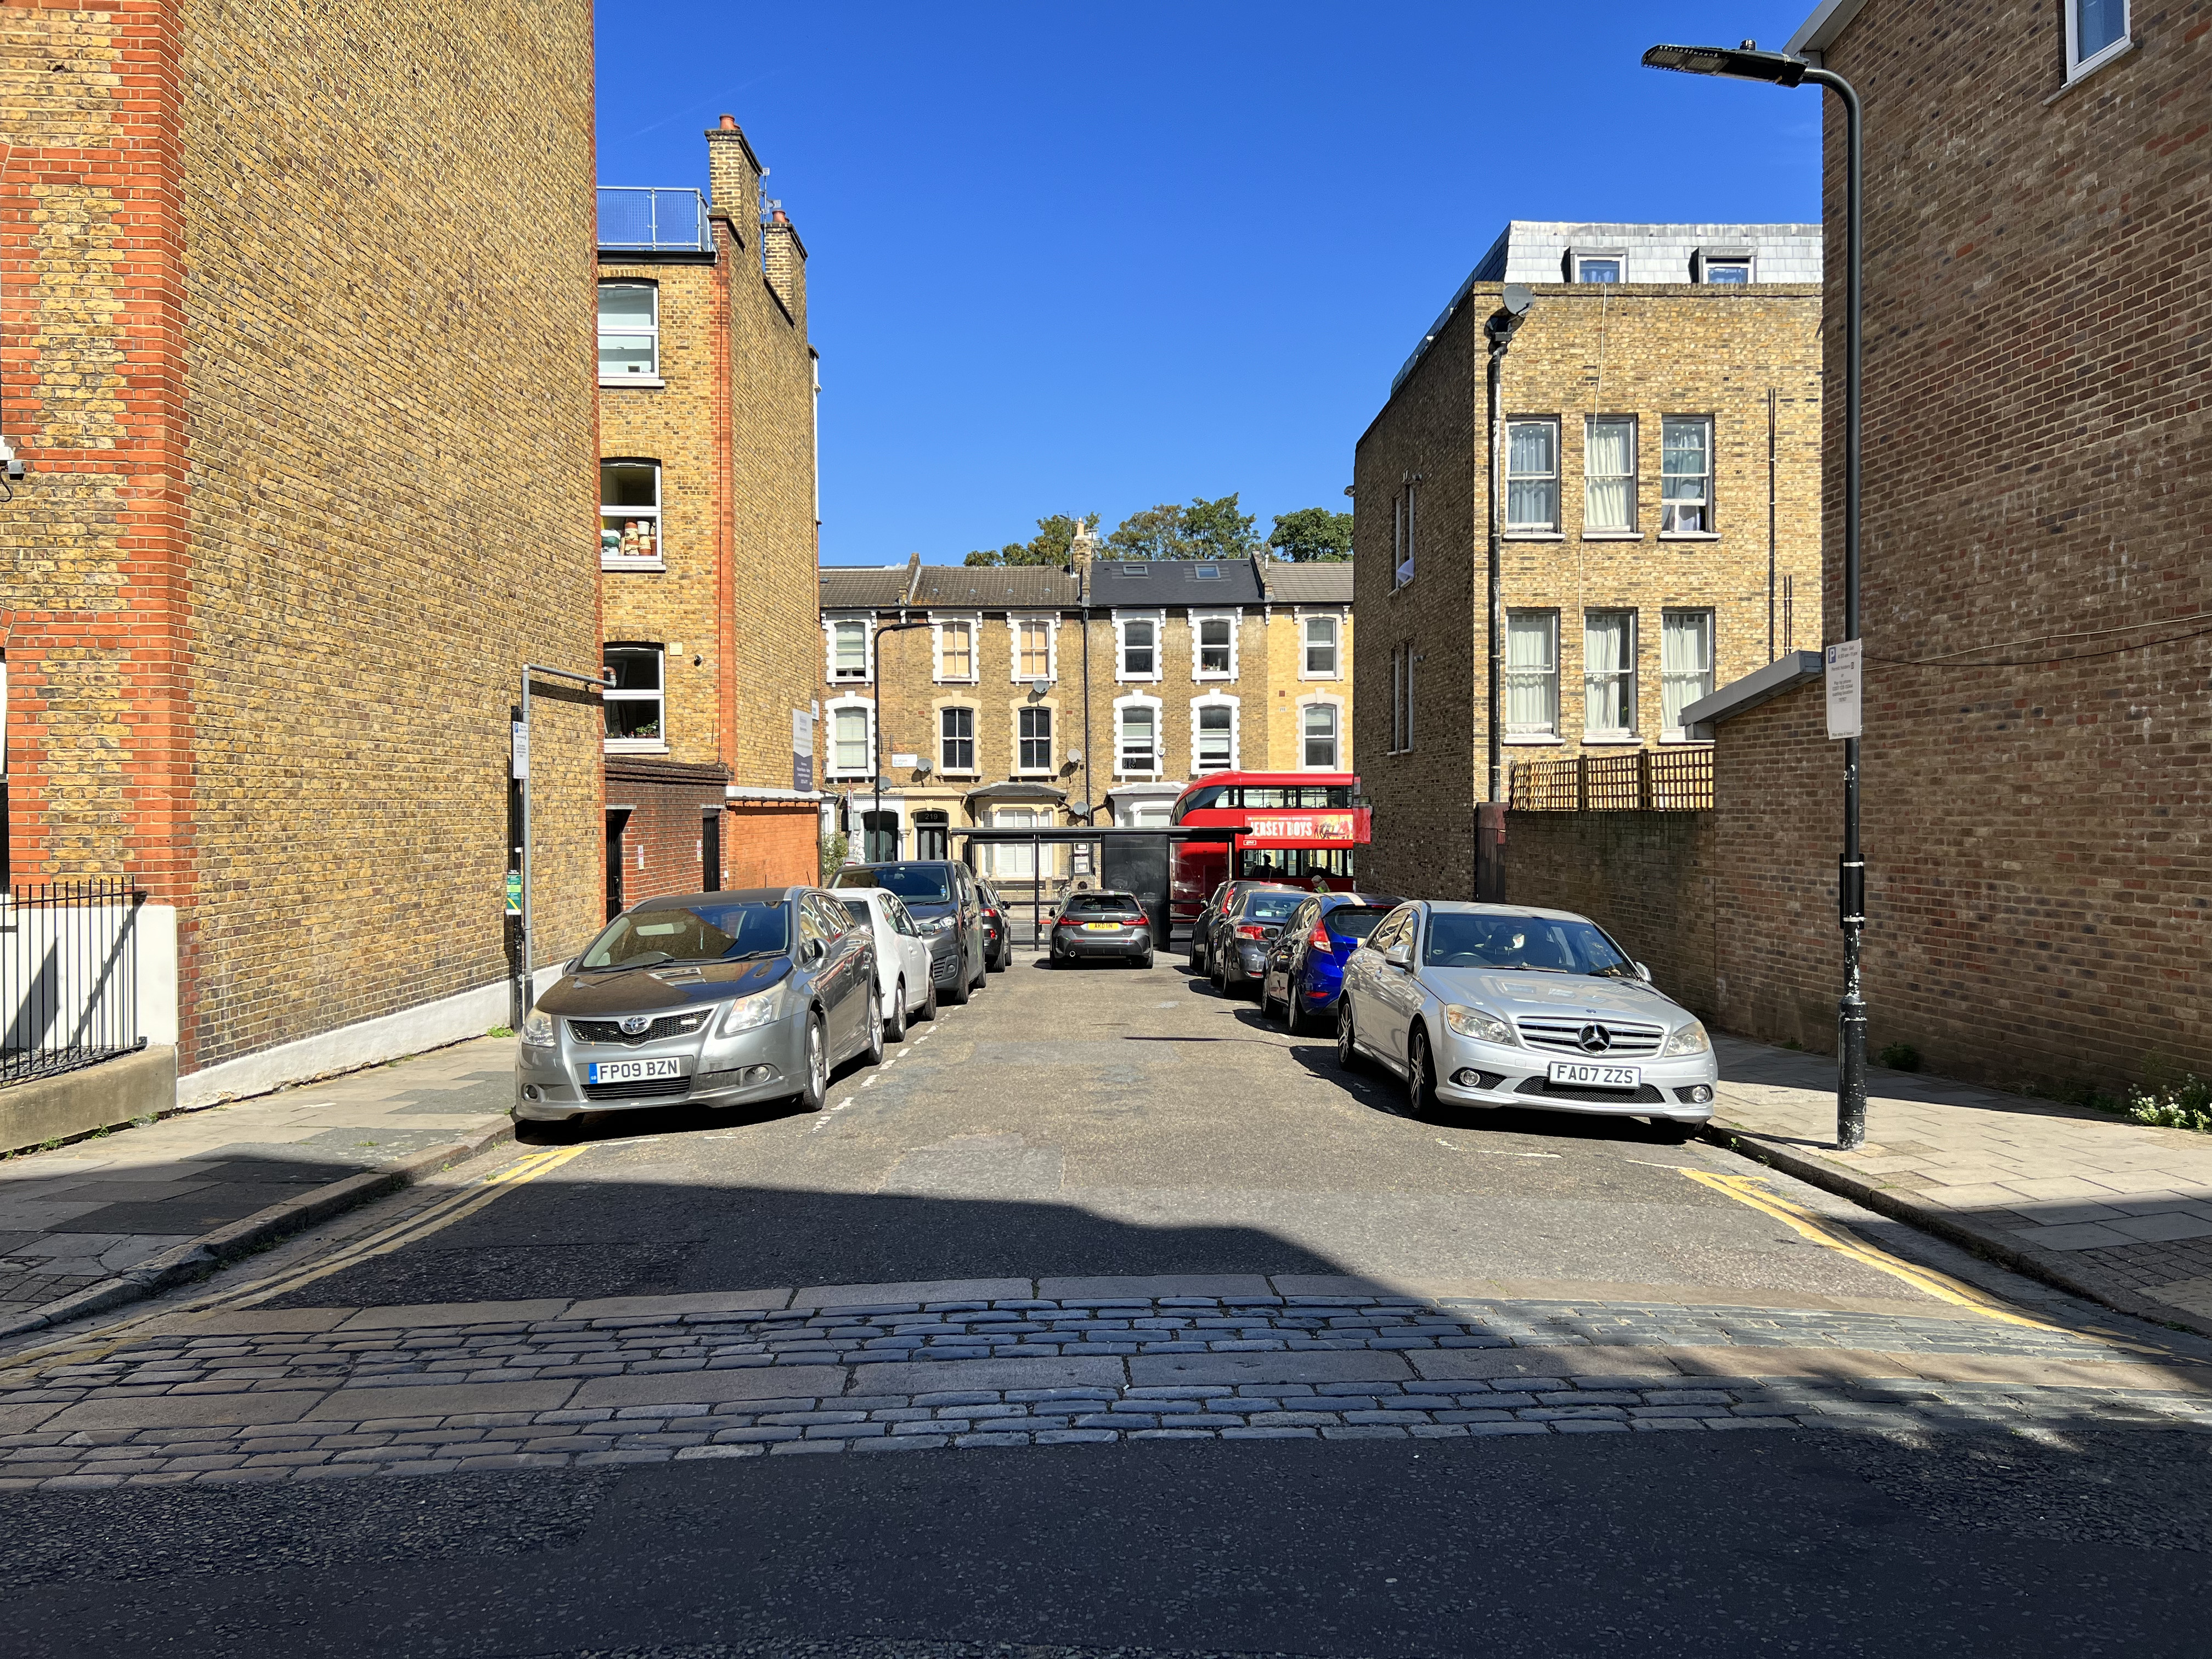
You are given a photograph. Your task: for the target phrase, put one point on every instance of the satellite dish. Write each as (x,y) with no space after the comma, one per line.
(1516,298)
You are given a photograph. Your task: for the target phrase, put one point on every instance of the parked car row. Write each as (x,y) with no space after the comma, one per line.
(736,999)
(1467,1005)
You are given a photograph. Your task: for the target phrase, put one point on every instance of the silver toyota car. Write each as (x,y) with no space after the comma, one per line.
(713,998)
(1488,1005)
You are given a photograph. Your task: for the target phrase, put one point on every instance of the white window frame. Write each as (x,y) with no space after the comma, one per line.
(1667,528)
(1616,257)
(614,558)
(2077,64)
(1052,736)
(1050,623)
(1159,735)
(1335,705)
(1593,733)
(1121,621)
(1747,263)
(830,710)
(940,741)
(1217,700)
(1707,678)
(829,674)
(651,331)
(658,696)
(939,627)
(1198,621)
(1407,537)
(1333,645)
(1524,732)
(1552,528)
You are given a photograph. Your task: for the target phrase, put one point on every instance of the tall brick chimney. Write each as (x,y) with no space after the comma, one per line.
(733,176)
(783,258)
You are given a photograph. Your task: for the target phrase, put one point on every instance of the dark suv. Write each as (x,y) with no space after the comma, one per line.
(1237,950)
(941,895)
(1202,929)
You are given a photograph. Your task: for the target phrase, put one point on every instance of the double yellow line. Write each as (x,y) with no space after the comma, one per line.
(441,1213)
(1748,1189)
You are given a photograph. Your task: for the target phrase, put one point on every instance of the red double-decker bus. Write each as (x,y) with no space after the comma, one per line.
(1300,828)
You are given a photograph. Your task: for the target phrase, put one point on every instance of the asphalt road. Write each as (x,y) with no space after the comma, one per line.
(1109,1121)
(1105,1120)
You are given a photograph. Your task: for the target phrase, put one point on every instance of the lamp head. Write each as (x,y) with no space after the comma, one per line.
(1738,62)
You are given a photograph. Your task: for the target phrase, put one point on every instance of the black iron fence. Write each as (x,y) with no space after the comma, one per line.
(1649,780)
(69,976)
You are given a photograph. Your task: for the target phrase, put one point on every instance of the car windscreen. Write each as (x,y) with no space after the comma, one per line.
(1269,907)
(924,883)
(697,933)
(1100,904)
(1542,943)
(1354,922)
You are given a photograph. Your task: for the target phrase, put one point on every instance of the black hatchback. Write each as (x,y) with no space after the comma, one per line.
(1109,925)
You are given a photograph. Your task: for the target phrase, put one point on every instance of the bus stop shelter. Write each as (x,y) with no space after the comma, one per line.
(1130,860)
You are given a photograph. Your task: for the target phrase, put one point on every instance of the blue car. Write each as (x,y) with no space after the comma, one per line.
(1304,970)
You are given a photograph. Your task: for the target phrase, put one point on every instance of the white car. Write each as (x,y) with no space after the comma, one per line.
(905,988)
(1491,1004)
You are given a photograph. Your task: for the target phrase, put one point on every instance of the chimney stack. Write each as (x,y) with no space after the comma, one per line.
(783,260)
(733,176)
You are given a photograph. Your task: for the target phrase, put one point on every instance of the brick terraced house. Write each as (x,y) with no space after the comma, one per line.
(294,312)
(1658,454)
(1089,692)
(706,535)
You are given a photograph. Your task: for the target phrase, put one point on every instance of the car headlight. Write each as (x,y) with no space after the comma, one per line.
(751,1013)
(934,924)
(538,1029)
(1473,1023)
(1690,1040)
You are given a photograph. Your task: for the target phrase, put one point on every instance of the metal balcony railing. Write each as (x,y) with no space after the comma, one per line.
(653,221)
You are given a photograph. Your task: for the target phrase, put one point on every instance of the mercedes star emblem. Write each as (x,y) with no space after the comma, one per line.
(1594,1039)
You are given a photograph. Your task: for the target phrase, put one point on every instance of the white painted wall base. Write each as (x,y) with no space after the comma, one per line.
(368,1043)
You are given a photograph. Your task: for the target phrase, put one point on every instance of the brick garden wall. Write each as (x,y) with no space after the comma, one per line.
(1645,877)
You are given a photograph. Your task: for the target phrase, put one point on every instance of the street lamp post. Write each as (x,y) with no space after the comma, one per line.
(876,731)
(1498,329)
(1747,63)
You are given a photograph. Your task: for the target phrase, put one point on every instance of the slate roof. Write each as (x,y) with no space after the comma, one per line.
(862,587)
(995,588)
(1151,584)
(1310,584)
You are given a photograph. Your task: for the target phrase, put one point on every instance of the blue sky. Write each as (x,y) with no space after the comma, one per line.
(1087,259)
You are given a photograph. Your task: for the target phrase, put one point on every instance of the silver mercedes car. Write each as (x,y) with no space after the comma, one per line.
(1490,1004)
(711,999)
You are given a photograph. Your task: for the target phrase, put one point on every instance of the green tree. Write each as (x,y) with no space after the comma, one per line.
(1204,529)
(1052,544)
(1312,534)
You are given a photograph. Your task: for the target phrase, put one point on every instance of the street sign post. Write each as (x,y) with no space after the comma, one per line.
(1844,661)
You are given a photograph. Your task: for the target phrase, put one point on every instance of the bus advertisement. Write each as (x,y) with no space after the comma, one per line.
(1300,828)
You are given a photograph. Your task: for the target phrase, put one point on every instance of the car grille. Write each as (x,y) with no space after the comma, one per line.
(646,1088)
(1565,1035)
(1540,1085)
(610,1031)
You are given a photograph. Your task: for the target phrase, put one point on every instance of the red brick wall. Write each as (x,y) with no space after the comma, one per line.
(772,846)
(660,846)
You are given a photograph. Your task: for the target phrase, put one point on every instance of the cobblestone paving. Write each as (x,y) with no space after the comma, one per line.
(368,1392)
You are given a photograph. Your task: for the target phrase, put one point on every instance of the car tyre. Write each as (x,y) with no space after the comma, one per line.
(1004,959)
(929,1009)
(895,1028)
(1420,1076)
(814,1087)
(1348,1057)
(1146,960)
(1294,1019)
(1197,957)
(873,1054)
(956,992)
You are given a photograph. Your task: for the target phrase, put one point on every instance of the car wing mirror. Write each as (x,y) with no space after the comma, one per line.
(1644,972)
(810,953)
(1399,955)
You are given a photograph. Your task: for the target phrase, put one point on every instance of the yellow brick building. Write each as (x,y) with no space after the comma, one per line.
(706,534)
(1090,693)
(1659,470)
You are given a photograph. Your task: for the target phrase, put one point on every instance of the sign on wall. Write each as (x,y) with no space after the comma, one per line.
(802,748)
(520,766)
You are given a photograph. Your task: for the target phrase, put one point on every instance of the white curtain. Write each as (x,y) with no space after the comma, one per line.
(1532,677)
(1609,672)
(851,740)
(1686,663)
(1609,464)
